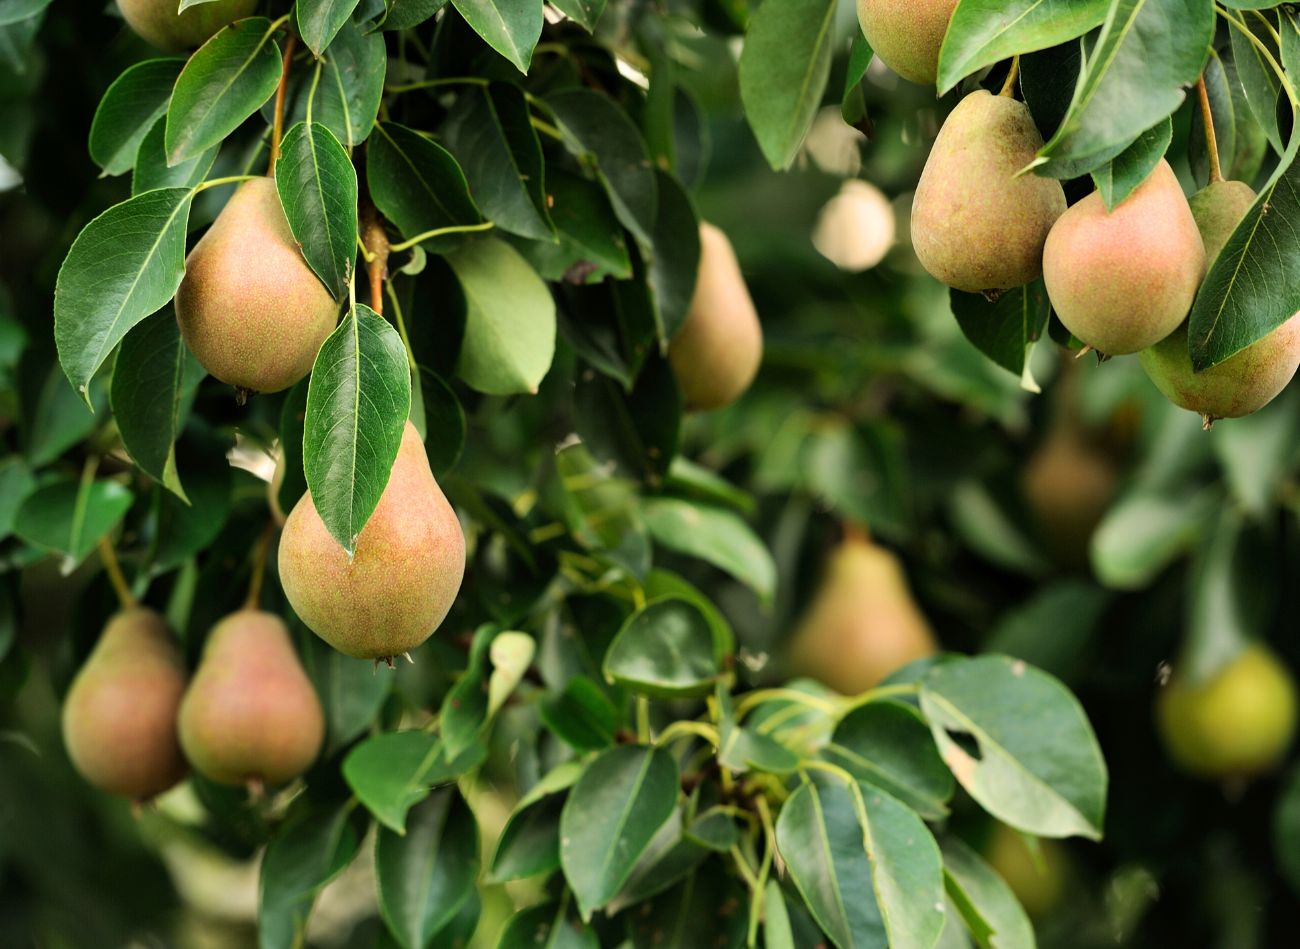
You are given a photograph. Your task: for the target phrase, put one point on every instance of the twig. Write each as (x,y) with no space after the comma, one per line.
(1211,137)
(277,126)
(376,242)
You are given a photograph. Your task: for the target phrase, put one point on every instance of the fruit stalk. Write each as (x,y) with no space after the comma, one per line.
(115,576)
(277,125)
(1211,137)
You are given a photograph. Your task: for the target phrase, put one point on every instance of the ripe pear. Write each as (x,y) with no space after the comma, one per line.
(1123,280)
(157,22)
(249,307)
(1237,724)
(1068,483)
(251,713)
(862,624)
(716,353)
(119,718)
(1037,877)
(977,226)
(403,577)
(1247,381)
(907,34)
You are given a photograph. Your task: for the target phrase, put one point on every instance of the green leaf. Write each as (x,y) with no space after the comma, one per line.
(663,583)
(583,12)
(783,72)
(346,97)
(1118,179)
(983,32)
(392,772)
(669,857)
(154,379)
(623,797)
(305,854)
(357,405)
(490,131)
(70,517)
(888,744)
(716,536)
(1255,453)
(404,14)
(1145,531)
(152,171)
(123,266)
(465,709)
(664,650)
(530,841)
(129,109)
(1037,765)
(1071,608)
(16,482)
(184,529)
(987,905)
(320,20)
(1259,82)
(1004,329)
(444,421)
(866,866)
(61,419)
(293,420)
(592,244)
(15,11)
(417,184)
(511,27)
(549,926)
(853,104)
(594,126)
(638,430)
(222,84)
(425,875)
(1226,603)
(1135,75)
(510,319)
(318,189)
(350,692)
(1286,829)
(675,262)
(777,933)
(581,715)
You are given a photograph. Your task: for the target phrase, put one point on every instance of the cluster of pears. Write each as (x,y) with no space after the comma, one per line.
(133,726)
(862,624)
(716,353)
(157,22)
(1236,724)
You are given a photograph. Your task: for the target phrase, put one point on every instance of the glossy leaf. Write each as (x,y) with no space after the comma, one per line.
(664,650)
(530,841)
(346,97)
(987,905)
(444,421)
(675,261)
(511,27)
(417,184)
(583,12)
(392,772)
(357,405)
(320,20)
(1003,329)
(465,709)
(581,715)
(1118,179)
(69,517)
(152,171)
(1259,82)
(1037,766)
(62,418)
(549,926)
(592,243)
(716,536)
(129,109)
(318,190)
(305,854)
(351,694)
(16,482)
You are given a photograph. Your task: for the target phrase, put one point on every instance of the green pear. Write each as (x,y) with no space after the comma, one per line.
(405,573)
(716,353)
(251,714)
(249,307)
(907,34)
(1038,877)
(977,224)
(1123,280)
(119,717)
(863,623)
(1238,723)
(158,23)
(1248,380)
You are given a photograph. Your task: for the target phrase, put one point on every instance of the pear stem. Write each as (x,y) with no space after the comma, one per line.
(259,568)
(1211,137)
(856,531)
(277,126)
(108,557)
(1009,86)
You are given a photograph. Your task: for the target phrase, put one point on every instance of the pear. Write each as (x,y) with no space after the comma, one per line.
(251,714)
(1123,280)
(401,581)
(862,624)
(906,34)
(249,307)
(1238,723)
(158,23)
(716,353)
(976,226)
(119,718)
(1068,484)
(1037,877)
(1248,380)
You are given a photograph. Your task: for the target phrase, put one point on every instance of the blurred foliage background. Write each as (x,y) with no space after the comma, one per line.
(1090,528)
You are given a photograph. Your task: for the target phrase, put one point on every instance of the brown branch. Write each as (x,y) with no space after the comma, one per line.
(1211,138)
(375,240)
(277,126)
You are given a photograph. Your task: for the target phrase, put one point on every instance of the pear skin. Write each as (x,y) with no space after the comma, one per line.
(1237,724)
(1248,380)
(158,23)
(403,577)
(716,352)
(977,226)
(119,717)
(251,714)
(907,34)
(1122,281)
(249,307)
(863,623)
(1068,484)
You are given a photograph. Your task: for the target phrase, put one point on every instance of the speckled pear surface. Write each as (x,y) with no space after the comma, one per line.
(119,717)
(1238,723)
(716,352)
(863,623)
(907,34)
(158,23)
(403,578)
(251,713)
(249,307)
(1122,281)
(975,225)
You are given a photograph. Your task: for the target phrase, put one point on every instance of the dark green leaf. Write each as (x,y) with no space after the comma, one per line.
(676,257)
(1258,80)
(581,715)
(592,244)
(16,482)
(444,422)
(465,709)
(583,12)
(70,517)
(350,692)
(151,168)
(638,430)
(390,773)
(1118,179)
(549,926)
(1004,329)
(530,841)
(305,854)
(129,109)
(664,650)
(293,421)
(417,184)
(714,535)
(511,27)
(320,20)
(185,529)
(318,190)
(853,105)
(346,98)
(61,419)
(987,905)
